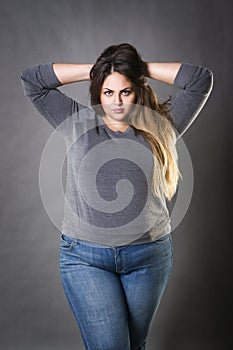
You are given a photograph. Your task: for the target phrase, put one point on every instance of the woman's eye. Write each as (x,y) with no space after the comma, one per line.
(108,93)
(126,92)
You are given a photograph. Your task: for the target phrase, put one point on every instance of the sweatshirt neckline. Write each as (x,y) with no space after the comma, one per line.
(117,132)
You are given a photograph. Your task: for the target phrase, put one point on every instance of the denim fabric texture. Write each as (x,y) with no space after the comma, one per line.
(114,293)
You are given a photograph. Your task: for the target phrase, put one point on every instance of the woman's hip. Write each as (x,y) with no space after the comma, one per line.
(123,259)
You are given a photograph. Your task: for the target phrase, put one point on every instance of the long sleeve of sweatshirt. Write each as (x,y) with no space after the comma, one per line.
(40,84)
(194,82)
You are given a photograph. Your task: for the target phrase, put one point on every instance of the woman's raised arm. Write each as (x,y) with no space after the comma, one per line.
(165,72)
(41,82)
(195,83)
(71,73)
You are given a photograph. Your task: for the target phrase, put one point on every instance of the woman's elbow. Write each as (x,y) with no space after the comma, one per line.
(209,80)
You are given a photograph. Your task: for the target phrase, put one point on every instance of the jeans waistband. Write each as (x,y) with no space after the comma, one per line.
(97,245)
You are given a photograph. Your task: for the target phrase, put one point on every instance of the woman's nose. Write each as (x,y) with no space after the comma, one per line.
(118,99)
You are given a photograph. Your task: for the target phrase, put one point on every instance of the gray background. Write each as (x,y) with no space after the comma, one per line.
(34,313)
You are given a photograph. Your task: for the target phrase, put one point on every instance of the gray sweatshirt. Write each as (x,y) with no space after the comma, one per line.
(108,195)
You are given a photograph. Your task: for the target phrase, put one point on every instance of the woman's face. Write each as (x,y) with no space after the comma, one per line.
(117,97)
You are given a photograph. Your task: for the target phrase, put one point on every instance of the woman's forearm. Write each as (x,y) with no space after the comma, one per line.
(71,73)
(163,71)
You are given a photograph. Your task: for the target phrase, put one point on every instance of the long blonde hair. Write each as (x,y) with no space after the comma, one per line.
(154,120)
(151,117)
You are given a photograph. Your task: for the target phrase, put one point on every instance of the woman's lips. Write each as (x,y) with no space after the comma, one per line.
(118,110)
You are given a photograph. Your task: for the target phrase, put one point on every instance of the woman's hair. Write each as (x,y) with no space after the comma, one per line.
(150,117)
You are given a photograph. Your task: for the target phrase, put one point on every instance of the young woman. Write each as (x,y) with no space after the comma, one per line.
(116,244)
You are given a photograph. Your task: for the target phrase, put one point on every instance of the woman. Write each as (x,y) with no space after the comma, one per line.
(116,244)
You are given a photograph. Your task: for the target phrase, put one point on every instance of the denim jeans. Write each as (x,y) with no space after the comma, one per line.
(114,292)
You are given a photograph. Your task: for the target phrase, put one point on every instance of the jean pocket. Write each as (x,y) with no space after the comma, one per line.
(163,239)
(66,243)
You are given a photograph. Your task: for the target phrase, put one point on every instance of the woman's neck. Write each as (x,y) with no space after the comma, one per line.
(115,126)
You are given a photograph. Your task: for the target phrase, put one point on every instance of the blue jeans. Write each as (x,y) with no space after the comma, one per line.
(114,292)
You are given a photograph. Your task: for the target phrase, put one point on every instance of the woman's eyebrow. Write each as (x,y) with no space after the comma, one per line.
(128,87)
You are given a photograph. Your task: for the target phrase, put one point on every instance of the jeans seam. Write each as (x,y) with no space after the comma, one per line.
(76,315)
(125,267)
